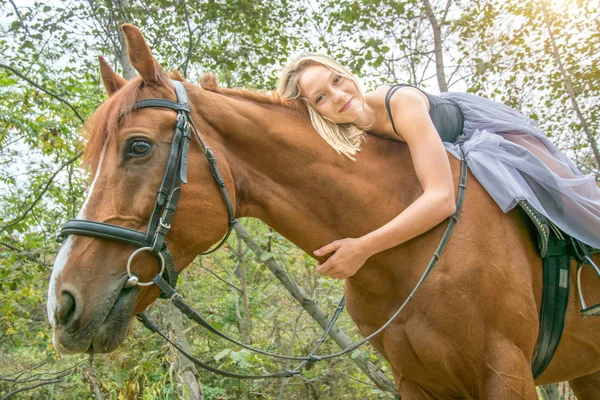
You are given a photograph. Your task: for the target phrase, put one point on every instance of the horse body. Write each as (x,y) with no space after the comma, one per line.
(470,332)
(312,196)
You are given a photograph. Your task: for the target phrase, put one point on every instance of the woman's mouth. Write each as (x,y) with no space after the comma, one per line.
(345,106)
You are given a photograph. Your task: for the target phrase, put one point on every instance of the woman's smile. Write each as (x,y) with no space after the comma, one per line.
(346,106)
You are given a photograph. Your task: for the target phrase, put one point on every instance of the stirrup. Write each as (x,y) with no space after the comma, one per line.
(583,258)
(592,311)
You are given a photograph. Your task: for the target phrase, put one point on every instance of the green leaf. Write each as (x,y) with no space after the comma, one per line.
(221,354)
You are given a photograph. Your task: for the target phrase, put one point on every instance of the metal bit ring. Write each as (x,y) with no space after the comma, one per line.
(132,277)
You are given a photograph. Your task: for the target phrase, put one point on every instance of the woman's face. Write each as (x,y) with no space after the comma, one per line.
(331,95)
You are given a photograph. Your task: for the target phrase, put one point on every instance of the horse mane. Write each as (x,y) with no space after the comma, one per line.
(103,124)
(209,82)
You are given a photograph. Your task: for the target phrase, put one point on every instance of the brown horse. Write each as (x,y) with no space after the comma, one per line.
(470,332)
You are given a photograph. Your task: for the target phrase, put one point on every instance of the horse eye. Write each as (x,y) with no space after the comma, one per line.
(138,148)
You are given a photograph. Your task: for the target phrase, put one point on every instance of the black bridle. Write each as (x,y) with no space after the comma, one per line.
(153,240)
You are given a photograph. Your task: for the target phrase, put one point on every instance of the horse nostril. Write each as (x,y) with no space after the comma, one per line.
(66,308)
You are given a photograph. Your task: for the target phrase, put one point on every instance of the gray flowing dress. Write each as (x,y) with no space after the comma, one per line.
(513,160)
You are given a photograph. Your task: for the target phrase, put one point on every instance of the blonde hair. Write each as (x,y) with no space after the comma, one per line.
(343,138)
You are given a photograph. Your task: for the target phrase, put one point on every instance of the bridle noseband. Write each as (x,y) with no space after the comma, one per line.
(153,240)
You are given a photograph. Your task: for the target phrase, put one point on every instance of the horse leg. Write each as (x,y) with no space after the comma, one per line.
(586,387)
(411,391)
(509,374)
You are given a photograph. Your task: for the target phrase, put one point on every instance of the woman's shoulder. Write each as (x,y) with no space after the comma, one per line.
(397,95)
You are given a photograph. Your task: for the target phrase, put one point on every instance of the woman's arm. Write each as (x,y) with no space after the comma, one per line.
(437,202)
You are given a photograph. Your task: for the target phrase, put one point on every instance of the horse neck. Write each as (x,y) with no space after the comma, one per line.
(289,178)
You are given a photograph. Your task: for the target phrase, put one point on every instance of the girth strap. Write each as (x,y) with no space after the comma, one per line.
(555,299)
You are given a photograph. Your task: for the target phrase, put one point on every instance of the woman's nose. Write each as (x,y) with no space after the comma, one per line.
(338,97)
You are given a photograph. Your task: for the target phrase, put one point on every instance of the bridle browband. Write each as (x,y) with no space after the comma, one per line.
(153,240)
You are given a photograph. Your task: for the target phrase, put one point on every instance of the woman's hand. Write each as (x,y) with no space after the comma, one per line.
(350,254)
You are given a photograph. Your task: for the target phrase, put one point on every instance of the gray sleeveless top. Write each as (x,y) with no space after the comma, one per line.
(446,115)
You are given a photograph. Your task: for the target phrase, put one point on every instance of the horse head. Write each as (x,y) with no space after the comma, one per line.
(91,302)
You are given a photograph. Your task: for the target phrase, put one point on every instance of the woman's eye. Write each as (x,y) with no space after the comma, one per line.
(138,148)
(337,79)
(318,99)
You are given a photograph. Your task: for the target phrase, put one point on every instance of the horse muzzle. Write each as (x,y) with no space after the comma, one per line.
(79,328)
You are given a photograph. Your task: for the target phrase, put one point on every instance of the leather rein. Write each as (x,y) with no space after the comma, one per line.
(153,241)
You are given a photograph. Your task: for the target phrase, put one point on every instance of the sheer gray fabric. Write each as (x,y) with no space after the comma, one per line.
(513,160)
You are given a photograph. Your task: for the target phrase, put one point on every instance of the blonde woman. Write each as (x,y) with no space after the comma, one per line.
(506,151)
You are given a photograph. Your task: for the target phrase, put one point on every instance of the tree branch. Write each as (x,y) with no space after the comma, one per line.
(58,376)
(31,387)
(24,254)
(19,373)
(39,196)
(20,17)
(57,97)
(190,43)
(108,39)
(219,278)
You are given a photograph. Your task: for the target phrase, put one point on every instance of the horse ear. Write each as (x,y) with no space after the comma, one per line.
(112,81)
(175,75)
(141,56)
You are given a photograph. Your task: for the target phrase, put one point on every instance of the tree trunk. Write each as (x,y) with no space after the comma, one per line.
(89,375)
(239,272)
(245,323)
(122,55)
(551,392)
(376,376)
(186,371)
(437,47)
(128,70)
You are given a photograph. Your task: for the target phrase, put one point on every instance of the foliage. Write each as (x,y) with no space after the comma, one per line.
(514,63)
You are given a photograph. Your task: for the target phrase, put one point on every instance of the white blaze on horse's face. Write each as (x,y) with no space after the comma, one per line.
(65,250)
